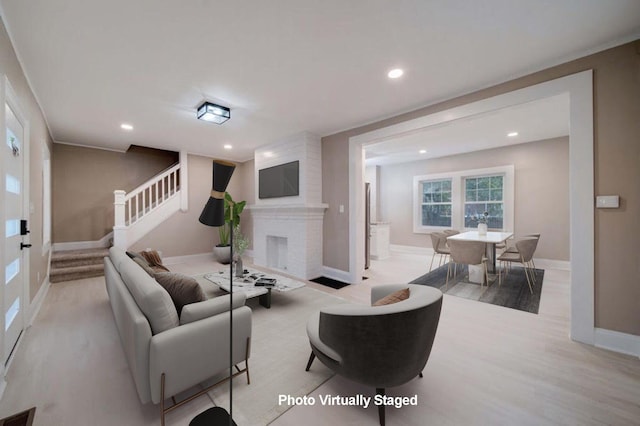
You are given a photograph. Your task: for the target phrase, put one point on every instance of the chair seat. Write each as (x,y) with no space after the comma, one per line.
(509,257)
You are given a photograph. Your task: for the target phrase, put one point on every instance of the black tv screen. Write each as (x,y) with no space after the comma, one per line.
(279,181)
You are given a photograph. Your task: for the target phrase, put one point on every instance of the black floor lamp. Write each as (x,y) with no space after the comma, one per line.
(213,214)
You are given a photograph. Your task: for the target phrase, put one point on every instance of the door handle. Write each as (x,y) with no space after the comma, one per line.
(24,246)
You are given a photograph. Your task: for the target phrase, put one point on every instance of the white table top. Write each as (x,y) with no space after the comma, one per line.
(490,237)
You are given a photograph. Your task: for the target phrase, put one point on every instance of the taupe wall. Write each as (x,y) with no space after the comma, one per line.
(182,234)
(83,183)
(617,154)
(541,192)
(39,137)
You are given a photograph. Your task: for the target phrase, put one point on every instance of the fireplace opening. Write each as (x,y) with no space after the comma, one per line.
(277,252)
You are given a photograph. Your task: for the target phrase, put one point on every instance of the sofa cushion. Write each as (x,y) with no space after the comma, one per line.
(153,300)
(395,297)
(182,288)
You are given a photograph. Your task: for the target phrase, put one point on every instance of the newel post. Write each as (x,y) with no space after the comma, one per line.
(118,207)
(119,228)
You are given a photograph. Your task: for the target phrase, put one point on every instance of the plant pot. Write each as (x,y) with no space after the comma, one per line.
(482,229)
(222,254)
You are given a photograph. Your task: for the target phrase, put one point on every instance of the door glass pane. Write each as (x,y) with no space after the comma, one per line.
(13,184)
(11,313)
(11,271)
(12,227)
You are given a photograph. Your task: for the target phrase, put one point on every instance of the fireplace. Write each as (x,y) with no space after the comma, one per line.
(287,231)
(289,238)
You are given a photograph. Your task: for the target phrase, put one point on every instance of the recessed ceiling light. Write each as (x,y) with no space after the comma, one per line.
(125,126)
(395,73)
(512,134)
(423,151)
(227,146)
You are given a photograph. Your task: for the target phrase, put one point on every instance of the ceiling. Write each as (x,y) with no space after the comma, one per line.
(282,66)
(534,121)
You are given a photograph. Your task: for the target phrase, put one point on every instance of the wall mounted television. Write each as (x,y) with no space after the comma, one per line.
(279,181)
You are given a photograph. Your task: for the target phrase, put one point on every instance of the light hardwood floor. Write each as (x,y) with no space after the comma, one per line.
(489,365)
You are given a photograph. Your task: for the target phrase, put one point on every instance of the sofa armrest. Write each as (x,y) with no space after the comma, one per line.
(208,308)
(192,353)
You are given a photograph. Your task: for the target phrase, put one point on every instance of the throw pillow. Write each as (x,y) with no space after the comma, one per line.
(182,288)
(392,298)
(144,265)
(154,260)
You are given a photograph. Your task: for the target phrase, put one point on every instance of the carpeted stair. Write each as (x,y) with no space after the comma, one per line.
(77,264)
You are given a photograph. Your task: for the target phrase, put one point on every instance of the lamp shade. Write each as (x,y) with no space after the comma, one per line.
(213,212)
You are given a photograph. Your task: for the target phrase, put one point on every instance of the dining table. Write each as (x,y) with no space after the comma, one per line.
(491,238)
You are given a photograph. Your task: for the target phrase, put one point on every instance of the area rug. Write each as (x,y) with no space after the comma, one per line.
(279,353)
(513,293)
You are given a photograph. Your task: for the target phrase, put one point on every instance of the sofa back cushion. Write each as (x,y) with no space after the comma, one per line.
(153,300)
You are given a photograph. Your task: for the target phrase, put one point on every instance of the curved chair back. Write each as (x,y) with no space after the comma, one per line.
(527,247)
(382,346)
(467,252)
(449,232)
(435,240)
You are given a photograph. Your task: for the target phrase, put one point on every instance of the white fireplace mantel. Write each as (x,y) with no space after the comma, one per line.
(284,211)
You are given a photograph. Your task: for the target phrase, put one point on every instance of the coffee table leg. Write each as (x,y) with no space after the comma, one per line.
(265,299)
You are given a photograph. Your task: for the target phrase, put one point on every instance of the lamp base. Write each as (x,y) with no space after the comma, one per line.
(213,417)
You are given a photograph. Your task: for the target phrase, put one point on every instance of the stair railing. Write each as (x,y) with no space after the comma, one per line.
(131,207)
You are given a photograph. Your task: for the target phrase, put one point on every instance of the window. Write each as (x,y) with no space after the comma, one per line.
(436,203)
(484,194)
(458,199)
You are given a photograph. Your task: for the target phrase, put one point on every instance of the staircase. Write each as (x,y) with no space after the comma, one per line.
(150,204)
(77,264)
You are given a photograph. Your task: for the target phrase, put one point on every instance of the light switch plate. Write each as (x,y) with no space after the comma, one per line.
(607,201)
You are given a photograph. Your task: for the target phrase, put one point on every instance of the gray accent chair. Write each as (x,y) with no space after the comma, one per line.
(168,354)
(378,346)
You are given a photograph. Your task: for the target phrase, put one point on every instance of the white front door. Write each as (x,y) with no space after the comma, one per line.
(13,156)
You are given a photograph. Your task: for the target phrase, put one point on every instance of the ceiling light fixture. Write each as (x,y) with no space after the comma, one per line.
(213,113)
(395,73)
(125,126)
(423,151)
(512,134)
(227,146)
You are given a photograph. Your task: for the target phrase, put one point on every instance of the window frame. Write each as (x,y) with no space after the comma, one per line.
(439,203)
(458,197)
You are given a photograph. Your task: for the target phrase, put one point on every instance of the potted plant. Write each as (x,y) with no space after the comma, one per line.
(232,211)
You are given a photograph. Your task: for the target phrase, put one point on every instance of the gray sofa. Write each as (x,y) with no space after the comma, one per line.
(168,354)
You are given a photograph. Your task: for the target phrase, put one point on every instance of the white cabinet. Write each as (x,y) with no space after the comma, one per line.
(379,240)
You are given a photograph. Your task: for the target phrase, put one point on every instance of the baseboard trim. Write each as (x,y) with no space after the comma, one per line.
(172,260)
(336,274)
(103,242)
(562,265)
(624,343)
(37,301)
(398,248)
